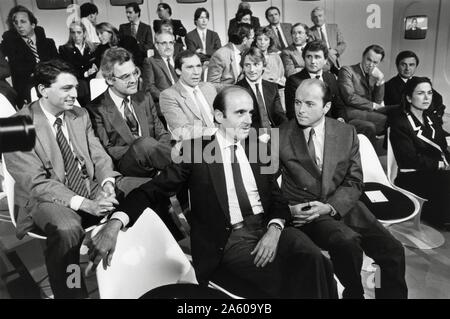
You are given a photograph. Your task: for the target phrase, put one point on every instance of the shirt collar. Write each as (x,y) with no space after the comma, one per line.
(319,128)
(188,88)
(252,84)
(50,117)
(313,75)
(33,38)
(235,49)
(136,23)
(224,142)
(116,99)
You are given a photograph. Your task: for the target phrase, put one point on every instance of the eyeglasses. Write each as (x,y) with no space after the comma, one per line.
(170,43)
(130,76)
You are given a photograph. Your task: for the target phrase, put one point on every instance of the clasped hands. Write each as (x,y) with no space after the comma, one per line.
(103,204)
(305,213)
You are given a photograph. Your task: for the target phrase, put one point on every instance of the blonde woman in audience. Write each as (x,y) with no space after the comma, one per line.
(274,72)
(79,52)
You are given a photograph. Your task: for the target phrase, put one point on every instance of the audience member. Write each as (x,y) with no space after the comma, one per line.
(292,55)
(25,45)
(242,16)
(238,225)
(421,151)
(322,181)
(254,21)
(331,35)
(224,66)
(164,12)
(282,30)
(362,88)
(88,15)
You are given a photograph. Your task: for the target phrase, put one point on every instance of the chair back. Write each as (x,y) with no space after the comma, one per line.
(6,108)
(146,256)
(392,167)
(97,87)
(372,170)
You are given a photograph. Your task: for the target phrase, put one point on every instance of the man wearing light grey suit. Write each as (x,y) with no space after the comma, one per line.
(67,181)
(187,105)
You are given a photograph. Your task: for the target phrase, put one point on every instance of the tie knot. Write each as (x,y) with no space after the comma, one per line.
(125,101)
(311,133)
(58,122)
(30,41)
(318,77)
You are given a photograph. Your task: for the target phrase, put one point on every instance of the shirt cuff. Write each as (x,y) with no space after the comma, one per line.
(277,221)
(122,217)
(333,212)
(75,202)
(109,179)
(441,165)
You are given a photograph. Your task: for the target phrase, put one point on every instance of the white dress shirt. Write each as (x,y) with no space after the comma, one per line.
(237,59)
(202,35)
(253,86)
(324,30)
(318,140)
(313,75)
(118,101)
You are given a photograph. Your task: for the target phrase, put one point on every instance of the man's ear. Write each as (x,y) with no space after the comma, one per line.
(110,81)
(408,99)
(42,90)
(218,116)
(178,72)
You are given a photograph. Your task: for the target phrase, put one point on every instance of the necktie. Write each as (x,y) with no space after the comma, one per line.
(133,30)
(173,75)
(73,174)
(323,36)
(204,41)
(203,110)
(311,148)
(130,119)
(33,49)
(280,37)
(264,117)
(244,202)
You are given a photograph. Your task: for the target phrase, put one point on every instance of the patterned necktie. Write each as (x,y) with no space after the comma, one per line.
(280,37)
(33,49)
(311,148)
(133,30)
(206,117)
(244,201)
(130,119)
(264,117)
(73,174)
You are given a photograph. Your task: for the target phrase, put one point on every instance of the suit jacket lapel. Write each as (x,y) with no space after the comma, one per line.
(188,100)
(47,139)
(298,144)
(363,77)
(233,64)
(78,141)
(139,109)
(329,156)
(116,119)
(164,67)
(140,31)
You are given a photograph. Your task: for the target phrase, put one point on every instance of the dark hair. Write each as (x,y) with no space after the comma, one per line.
(404,55)
(165,6)
(304,27)
(111,57)
(242,31)
(12,13)
(87,9)
(46,73)
(411,84)
(198,13)
(267,31)
(182,56)
(271,8)
(219,101)
(314,46)
(242,13)
(135,7)
(166,22)
(327,96)
(256,54)
(375,48)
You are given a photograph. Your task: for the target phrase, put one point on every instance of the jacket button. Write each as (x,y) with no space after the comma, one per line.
(227,229)
(221,248)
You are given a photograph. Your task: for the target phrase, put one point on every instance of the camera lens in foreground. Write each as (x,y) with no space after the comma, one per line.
(16,134)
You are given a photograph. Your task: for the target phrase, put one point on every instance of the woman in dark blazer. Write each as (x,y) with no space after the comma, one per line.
(420,148)
(79,52)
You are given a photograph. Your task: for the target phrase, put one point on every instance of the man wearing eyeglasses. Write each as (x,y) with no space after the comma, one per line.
(158,71)
(125,120)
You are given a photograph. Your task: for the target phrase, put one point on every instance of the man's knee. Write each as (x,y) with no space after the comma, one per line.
(70,234)
(345,242)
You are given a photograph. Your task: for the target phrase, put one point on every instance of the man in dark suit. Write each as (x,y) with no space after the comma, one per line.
(282,31)
(238,225)
(159,70)
(315,55)
(267,109)
(164,12)
(322,181)
(362,88)
(407,62)
(25,44)
(136,28)
(66,182)
(126,121)
(254,21)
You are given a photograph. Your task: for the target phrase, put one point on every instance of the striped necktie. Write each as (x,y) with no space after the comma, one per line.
(33,49)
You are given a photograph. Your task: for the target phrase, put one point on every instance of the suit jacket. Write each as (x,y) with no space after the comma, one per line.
(193,43)
(222,67)
(178,29)
(292,60)
(210,217)
(337,105)
(40,174)
(410,146)
(156,76)
(80,62)
(341,181)
(335,39)
(22,61)
(232,25)
(144,35)
(286,29)
(181,112)
(355,90)
(113,131)
(272,101)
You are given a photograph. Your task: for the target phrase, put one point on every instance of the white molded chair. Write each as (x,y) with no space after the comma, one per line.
(97,87)
(146,257)
(34,96)
(415,235)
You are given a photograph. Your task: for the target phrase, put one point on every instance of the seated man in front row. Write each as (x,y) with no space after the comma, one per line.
(67,181)
(238,225)
(126,121)
(322,180)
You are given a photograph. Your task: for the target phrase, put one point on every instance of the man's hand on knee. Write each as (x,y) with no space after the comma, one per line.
(266,249)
